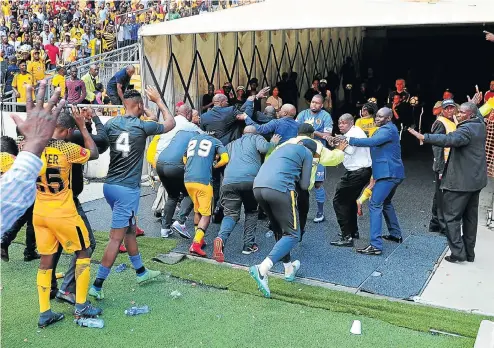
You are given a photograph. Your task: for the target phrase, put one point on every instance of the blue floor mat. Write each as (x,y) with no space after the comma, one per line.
(405,268)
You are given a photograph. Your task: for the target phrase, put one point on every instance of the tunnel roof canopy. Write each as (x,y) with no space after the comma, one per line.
(312,14)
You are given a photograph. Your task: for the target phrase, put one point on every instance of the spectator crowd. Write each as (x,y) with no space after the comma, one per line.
(46,34)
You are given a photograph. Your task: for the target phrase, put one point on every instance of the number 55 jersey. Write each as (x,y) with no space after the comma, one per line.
(127,136)
(54,196)
(55,216)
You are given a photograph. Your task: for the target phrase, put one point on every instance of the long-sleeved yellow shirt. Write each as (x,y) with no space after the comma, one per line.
(327,157)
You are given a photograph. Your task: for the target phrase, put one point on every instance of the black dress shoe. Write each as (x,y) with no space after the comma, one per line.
(370,250)
(5,254)
(355,235)
(343,242)
(393,238)
(453,259)
(470,259)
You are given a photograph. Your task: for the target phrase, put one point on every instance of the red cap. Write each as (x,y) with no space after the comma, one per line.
(179,104)
(219,91)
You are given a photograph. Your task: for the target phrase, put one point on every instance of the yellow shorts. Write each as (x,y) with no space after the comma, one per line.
(202,197)
(70,232)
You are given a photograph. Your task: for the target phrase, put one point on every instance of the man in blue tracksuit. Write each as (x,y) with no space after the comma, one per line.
(388,171)
(285,126)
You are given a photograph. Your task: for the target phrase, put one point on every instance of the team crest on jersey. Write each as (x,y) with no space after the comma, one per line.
(83,151)
(68,244)
(318,121)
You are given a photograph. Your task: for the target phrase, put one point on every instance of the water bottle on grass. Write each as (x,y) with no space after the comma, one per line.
(137,310)
(90,322)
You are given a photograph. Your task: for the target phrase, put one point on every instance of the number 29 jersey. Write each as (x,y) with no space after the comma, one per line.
(127,136)
(54,197)
(201,153)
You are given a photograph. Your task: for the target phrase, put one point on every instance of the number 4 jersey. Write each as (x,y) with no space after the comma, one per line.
(127,135)
(54,196)
(201,153)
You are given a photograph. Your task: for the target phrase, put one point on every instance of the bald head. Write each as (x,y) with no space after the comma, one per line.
(130,70)
(185,111)
(220,100)
(288,110)
(270,111)
(383,116)
(250,130)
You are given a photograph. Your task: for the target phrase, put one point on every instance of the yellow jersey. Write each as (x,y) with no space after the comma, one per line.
(19,83)
(59,81)
(54,197)
(367,125)
(6,161)
(37,69)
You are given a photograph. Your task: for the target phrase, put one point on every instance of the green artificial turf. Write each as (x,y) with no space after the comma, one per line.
(201,317)
(333,303)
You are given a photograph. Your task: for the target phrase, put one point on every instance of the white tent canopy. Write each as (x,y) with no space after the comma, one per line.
(262,40)
(312,14)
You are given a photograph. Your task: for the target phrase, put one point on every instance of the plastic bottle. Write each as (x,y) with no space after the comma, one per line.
(269,234)
(90,322)
(120,268)
(137,310)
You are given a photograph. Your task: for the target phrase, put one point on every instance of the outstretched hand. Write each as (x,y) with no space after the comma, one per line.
(41,120)
(153,94)
(416,134)
(263,93)
(489,36)
(275,139)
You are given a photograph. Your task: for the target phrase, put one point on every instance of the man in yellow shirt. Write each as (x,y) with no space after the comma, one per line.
(77,31)
(91,79)
(21,80)
(96,45)
(366,121)
(59,80)
(36,67)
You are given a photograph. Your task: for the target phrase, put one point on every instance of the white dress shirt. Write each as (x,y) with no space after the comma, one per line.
(181,124)
(356,157)
(18,186)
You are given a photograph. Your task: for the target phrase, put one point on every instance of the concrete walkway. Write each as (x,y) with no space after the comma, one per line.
(467,286)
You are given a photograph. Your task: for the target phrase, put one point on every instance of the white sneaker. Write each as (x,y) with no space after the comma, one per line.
(181,230)
(319,218)
(296,267)
(166,232)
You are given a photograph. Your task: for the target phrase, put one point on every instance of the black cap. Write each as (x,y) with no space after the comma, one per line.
(305,128)
(310,144)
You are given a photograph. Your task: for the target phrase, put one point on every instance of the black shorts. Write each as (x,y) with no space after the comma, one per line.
(172,178)
(281,207)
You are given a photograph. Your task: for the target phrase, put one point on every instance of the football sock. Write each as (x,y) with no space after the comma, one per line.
(82,275)
(288,268)
(43,281)
(365,195)
(199,235)
(195,228)
(136,261)
(102,274)
(265,266)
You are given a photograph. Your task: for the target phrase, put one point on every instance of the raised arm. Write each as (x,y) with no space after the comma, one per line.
(381,136)
(168,119)
(88,140)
